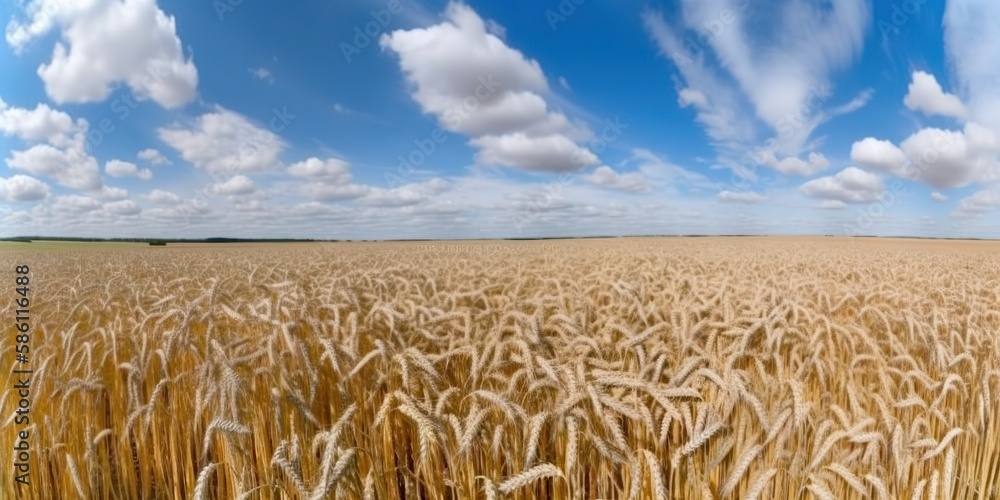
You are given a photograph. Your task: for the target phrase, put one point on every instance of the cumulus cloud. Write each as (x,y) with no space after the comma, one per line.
(327,179)
(332,170)
(163,197)
(877,154)
(553,153)
(21,188)
(76,204)
(103,43)
(851,185)
(236,186)
(123,207)
(925,94)
(607,177)
(62,156)
(334,192)
(793,165)
(476,85)
(978,203)
(109,193)
(225,141)
(40,124)
(153,156)
(951,158)
(118,168)
(406,195)
(394,197)
(740,197)
(70,167)
(936,157)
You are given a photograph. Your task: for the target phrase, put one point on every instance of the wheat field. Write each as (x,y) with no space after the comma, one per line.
(622,368)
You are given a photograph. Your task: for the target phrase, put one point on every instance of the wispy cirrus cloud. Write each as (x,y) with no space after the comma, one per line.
(769,78)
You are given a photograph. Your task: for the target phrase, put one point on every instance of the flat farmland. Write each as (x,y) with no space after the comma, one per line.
(752,367)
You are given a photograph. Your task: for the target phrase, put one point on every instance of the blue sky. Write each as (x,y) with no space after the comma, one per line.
(499,119)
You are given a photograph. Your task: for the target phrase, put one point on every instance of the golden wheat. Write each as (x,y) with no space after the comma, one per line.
(654,368)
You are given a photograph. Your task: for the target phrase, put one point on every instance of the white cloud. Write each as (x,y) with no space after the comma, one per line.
(118,168)
(109,193)
(784,78)
(395,197)
(633,182)
(832,205)
(553,153)
(654,167)
(972,47)
(22,188)
(104,43)
(187,211)
(925,94)
(333,170)
(225,141)
(476,85)
(728,129)
(496,29)
(124,207)
(153,156)
(946,158)
(794,165)
(262,74)
(851,185)
(406,195)
(63,158)
(163,197)
(691,97)
(313,208)
(328,180)
(334,192)
(41,123)
(877,154)
(76,204)
(936,157)
(71,167)
(979,203)
(236,186)
(740,197)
